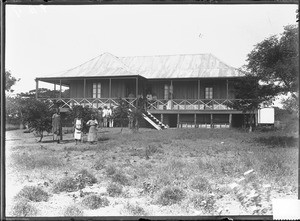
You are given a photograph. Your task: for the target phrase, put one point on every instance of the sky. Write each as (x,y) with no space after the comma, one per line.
(48,39)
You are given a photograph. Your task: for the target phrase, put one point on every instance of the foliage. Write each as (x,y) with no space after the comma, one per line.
(114,189)
(9,81)
(73,211)
(275,62)
(66,184)
(37,115)
(135,209)
(120,114)
(201,184)
(171,195)
(13,109)
(33,193)
(23,208)
(291,104)
(83,112)
(205,202)
(120,178)
(94,202)
(45,93)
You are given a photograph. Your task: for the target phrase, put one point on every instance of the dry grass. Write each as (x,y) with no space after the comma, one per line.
(33,193)
(191,168)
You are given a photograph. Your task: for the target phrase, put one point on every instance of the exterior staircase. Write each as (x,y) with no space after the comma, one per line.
(154,121)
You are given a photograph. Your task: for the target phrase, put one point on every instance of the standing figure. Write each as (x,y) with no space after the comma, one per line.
(78,126)
(104,115)
(100,117)
(56,126)
(92,136)
(109,116)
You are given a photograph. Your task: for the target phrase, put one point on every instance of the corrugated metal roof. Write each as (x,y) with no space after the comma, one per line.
(164,66)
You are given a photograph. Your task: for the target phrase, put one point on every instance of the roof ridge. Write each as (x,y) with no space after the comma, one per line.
(167,55)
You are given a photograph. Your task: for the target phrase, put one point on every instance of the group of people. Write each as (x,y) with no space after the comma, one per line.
(105,120)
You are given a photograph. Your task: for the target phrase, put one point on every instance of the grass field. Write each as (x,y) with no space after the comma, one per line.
(170,172)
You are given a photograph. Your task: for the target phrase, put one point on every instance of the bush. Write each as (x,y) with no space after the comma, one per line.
(201,184)
(67,184)
(171,195)
(95,202)
(205,202)
(33,193)
(24,208)
(120,178)
(85,177)
(72,211)
(114,190)
(135,210)
(110,170)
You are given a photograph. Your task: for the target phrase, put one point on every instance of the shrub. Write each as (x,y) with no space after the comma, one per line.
(33,193)
(110,170)
(24,208)
(205,202)
(171,195)
(135,210)
(67,184)
(120,178)
(95,202)
(201,184)
(72,211)
(85,177)
(114,189)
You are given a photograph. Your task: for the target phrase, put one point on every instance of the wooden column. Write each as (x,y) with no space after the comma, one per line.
(136,89)
(54,87)
(195,120)
(59,88)
(230,120)
(36,88)
(178,120)
(109,92)
(84,85)
(198,95)
(162,118)
(172,90)
(227,89)
(211,121)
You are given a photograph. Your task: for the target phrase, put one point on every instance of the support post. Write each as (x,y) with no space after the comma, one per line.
(136,89)
(109,92)
(84,85)
(230,120)
(198,95)
(171,97)
(195,120)
(178,121)
(162,118)
(36,89)
(54,87)
(59,88)
(227,89)
(211,121)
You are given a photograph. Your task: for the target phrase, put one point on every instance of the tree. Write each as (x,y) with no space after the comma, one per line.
(9,81)
(37,115)
(83,112)
(275,61)
(120,114)
(250,95)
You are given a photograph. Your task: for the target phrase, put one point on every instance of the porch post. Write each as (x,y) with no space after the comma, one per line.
(177,120)
(109,92)
(230,120)
(59,88)
(195,120)
(36,88)
(162,118)
(54,87)
(198,96)
(227,89)
(84,85)
(211,121)
(136,89)
(172,90)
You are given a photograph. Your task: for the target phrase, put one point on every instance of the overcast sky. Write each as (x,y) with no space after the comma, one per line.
(48,39)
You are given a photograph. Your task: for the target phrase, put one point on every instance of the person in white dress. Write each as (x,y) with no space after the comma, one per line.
(78,125)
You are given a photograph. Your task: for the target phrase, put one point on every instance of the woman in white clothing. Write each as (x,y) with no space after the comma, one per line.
(78,125)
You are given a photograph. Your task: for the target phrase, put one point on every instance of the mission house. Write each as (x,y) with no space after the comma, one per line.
(185,90)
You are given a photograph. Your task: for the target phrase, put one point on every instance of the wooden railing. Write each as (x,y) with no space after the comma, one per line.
(159,104)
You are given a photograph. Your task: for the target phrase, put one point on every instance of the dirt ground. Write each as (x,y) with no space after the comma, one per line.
(167,158)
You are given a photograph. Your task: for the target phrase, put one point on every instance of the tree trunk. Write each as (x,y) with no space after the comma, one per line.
(41,137)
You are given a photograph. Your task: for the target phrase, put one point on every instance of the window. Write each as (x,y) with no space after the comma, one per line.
(96,90)
(208,93)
